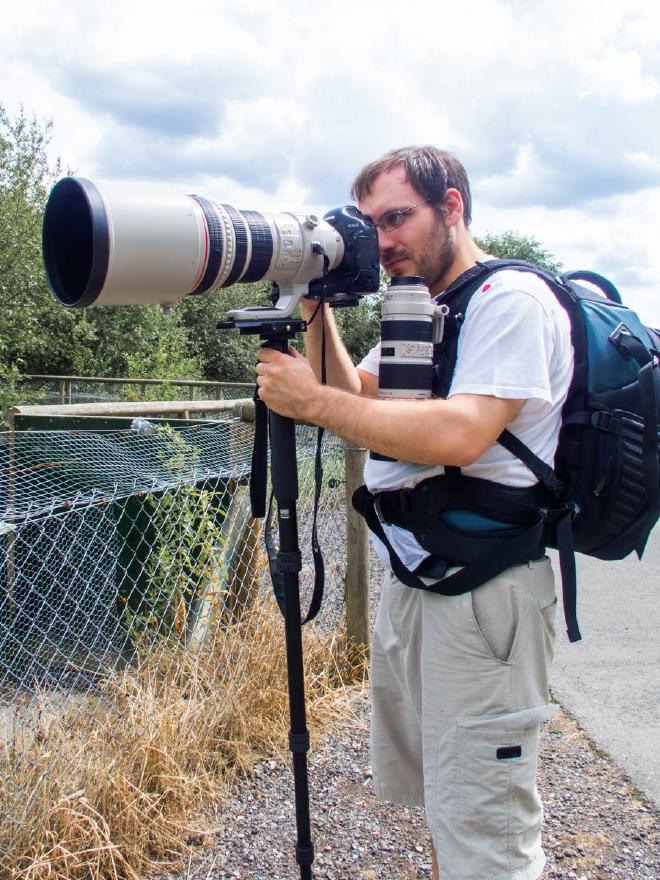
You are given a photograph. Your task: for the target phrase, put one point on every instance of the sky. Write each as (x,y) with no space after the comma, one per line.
(553,106)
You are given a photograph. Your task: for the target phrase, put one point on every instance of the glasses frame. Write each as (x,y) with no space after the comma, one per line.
(401,213)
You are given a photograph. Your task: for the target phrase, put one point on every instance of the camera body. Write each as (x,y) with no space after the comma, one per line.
(359,269)
(127,243)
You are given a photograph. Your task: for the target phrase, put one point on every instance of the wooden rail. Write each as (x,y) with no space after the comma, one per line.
(182,408)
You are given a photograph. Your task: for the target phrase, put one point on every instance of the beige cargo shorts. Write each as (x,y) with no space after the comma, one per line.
(459,692)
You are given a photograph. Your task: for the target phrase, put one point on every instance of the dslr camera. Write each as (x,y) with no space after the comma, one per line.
(127,243)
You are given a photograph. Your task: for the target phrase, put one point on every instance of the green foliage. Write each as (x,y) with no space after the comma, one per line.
(25,303)
(186,521)
(10,393)
(225,355)
(360,326)
(133,341)
(514,246)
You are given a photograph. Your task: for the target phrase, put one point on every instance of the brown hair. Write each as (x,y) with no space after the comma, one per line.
(429,170)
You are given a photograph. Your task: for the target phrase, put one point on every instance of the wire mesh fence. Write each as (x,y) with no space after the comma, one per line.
(129,565)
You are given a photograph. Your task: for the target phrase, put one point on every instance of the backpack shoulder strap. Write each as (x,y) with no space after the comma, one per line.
(469,281)
(457,297)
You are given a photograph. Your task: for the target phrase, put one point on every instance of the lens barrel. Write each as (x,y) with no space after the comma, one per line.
(128,243)
(406,352)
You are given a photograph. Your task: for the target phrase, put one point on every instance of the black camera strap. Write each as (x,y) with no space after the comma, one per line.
(259,481)
(258,494)
(259,469)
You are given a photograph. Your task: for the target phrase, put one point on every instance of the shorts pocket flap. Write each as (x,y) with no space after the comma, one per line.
(512,720)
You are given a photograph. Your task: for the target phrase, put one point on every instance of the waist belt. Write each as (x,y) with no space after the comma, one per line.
(464,521)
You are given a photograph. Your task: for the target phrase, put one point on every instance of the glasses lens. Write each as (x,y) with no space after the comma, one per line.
(391,220)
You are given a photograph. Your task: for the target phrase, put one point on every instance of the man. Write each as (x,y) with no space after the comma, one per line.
(459,683)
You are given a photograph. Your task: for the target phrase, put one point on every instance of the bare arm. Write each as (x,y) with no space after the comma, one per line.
(341,372)
(456,431)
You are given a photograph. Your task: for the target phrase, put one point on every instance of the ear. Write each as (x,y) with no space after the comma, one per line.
(452,206)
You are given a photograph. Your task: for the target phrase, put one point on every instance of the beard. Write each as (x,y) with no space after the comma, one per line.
(432,257)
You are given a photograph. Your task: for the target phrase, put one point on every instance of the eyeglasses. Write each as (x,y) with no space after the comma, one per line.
(392,220)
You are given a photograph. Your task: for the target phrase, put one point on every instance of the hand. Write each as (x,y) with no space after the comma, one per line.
(286,383)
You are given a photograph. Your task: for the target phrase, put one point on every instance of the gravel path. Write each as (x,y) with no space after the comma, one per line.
(597,826)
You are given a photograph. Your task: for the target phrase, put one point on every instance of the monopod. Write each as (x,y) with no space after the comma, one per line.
(279,433)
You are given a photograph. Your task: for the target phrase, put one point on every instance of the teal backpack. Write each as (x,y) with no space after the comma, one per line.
(602,497)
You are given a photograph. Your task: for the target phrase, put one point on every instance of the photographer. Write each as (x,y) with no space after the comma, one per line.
(459,683)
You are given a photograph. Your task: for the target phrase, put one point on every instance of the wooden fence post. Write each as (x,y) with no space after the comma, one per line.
(357,554)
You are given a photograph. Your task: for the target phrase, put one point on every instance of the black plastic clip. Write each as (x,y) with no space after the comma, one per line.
(298,743)
(289,563)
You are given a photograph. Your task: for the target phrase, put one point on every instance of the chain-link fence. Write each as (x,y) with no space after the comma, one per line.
(132,573)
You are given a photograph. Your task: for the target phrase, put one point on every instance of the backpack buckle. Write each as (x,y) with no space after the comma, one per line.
(604,420)
(629,346)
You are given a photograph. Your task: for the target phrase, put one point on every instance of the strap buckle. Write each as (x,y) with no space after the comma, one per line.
(604,420)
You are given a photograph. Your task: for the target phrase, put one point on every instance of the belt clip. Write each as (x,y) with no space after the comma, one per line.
(378,508)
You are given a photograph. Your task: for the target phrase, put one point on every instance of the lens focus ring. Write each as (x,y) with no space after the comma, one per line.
(262,246)
(215,244)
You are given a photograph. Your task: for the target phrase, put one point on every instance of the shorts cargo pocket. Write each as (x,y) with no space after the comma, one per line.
(497,812)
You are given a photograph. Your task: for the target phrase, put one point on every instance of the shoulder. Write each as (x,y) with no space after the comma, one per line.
(522,292)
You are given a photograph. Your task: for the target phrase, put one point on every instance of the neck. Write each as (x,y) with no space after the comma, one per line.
(466,255)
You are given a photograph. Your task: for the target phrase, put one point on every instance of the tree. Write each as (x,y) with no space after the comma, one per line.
(225,355)
(136,341)
(360,326)
(37,334)
(24,176)
(514,246)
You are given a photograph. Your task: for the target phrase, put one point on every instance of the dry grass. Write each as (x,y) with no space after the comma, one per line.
(112,789)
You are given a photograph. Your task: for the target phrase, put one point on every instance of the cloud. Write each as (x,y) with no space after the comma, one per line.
(549,174)
(159,100)
(537,111)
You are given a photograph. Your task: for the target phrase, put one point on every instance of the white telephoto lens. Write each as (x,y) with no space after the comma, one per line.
(122,243)
(406,352)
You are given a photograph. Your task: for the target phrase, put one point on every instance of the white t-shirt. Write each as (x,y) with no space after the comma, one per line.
(514,343)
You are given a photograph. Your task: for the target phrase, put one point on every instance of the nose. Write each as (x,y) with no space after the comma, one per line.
(386,240)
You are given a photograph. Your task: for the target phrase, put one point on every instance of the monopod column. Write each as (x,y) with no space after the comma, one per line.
(284,475)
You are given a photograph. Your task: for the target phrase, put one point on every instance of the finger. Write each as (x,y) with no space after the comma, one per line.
(269,354)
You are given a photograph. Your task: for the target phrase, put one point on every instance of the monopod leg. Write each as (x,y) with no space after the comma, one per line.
(284,475)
